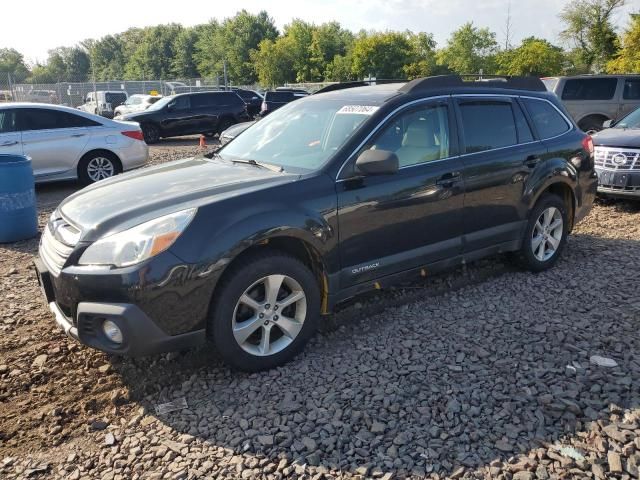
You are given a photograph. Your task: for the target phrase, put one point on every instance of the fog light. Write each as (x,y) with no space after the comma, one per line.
(112,331)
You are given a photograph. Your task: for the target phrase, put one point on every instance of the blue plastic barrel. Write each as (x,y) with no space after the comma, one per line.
(18,216)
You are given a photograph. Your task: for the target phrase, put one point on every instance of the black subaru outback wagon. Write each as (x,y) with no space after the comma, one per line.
(330,196)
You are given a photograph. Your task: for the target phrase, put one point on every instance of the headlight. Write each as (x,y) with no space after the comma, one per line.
(138,243)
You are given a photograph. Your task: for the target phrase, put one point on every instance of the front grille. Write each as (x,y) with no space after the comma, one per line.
(619,159)
(53,250)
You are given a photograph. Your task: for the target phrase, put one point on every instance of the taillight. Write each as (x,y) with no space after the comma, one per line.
(135,134)
(587,144)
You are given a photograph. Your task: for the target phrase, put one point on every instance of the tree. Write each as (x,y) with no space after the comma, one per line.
(423,61)
(153,56)
(381,54)
(340,69)
(12,63)
(590,31)
(469,50)
(107,57)
(328,41)
(183,63)
(628,58)
(534,56)
(274,62)
(232,42)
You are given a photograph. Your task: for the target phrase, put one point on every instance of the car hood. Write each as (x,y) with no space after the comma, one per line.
(127,200)
(618,137)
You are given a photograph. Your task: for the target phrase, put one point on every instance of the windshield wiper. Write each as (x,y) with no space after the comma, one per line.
(268,166)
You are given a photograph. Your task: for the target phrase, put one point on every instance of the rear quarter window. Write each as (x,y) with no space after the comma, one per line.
(589,89)
(546,119)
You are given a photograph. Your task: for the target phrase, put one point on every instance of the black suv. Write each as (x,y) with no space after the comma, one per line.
(273,100)
(251,98)
(190,113)
(332,195)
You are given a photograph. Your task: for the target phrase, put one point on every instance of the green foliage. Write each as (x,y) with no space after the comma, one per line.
(535,56)
(274,62)
(12,62)
(628,58)
(590,31)
(183,63)
(381,54)
(469,50)
(232,41)
(107,57)
(152,57)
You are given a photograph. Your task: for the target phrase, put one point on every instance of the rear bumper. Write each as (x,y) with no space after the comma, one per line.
(134,155)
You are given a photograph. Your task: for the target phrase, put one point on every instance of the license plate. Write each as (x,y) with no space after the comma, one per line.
(613,179)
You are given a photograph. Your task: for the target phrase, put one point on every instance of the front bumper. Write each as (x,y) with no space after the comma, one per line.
(142,336)
(618,183)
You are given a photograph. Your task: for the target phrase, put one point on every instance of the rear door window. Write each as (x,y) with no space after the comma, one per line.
(487,125)
(547,120)
(279,96)
(46,119)
(115,99)
(590,89)
(631,89)
(7,121)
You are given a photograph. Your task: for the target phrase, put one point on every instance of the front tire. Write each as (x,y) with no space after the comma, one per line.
(546,234)
(264,311)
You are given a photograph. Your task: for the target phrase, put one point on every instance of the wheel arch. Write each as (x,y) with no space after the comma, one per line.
(102,151)
(565,191)
(593,116)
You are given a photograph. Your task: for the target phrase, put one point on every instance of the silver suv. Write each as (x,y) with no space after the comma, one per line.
(594,99)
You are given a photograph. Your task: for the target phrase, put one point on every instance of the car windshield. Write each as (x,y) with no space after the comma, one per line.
(160,103)
(301,136)
(630,121)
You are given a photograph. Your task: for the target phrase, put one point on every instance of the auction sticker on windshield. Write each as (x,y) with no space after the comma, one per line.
(358,109)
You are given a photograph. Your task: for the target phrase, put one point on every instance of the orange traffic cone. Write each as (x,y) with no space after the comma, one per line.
(203,142)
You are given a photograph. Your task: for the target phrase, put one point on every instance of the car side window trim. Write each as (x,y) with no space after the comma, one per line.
(564,117)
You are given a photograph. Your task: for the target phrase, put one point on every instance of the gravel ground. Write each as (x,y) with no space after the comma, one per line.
(484,372)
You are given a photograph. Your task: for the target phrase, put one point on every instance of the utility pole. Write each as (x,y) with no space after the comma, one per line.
(507,28)
(224,67)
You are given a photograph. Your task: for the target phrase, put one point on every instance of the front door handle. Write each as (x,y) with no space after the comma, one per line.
(76,135)
(8,144)
(532,161)
(448,179)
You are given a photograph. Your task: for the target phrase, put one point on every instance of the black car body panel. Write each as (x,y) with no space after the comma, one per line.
(193,113)
(361,232)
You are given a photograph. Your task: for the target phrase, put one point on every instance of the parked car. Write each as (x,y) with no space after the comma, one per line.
(273,100)
(593,99)
(136,103)
(66,144)
(617,157)
(40,96)
(252,98)
(104,103)
(189,113)
(330,196)
(233,131)
(5,96)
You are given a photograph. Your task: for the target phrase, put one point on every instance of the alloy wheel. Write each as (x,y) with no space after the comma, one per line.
(269,315)
(547,234)
(100,168)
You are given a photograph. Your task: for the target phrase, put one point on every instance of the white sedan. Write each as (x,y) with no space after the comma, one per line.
(135,103)
(64,143)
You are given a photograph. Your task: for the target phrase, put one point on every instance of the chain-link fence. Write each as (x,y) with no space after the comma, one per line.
(74,94)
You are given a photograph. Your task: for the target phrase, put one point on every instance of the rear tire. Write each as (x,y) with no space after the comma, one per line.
(545,235)
(264,311)
(95,166)
(151,133)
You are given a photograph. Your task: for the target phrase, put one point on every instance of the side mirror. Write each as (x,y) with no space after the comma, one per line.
(377,162)
(608,124)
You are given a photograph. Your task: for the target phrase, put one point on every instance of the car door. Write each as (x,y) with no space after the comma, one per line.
(10,136)
(177,118)
(206,110)
(630,96)
(54,139)
(391,223)
(499,152)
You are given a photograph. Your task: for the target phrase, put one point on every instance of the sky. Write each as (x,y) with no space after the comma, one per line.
(34,31)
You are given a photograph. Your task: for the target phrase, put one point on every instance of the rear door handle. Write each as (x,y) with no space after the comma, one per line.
(448,179)
(532,161)
(8,144)
(76,135)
